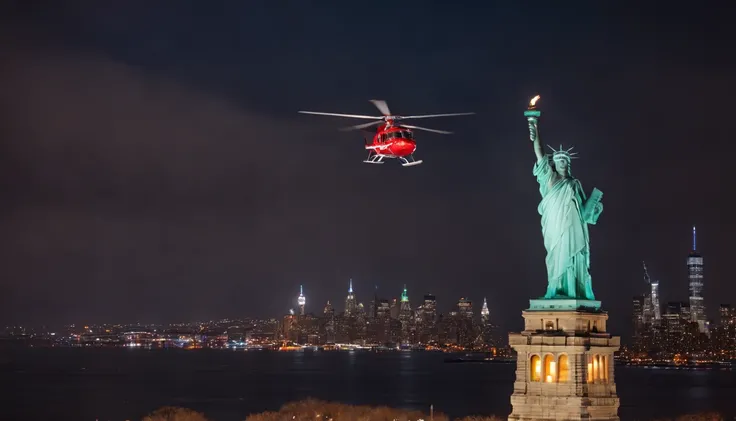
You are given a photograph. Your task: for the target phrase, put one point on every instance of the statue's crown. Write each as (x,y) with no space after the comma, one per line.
(563,153)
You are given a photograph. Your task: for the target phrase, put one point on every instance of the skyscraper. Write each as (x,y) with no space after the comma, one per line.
(465,308)
(485,315)
(647,309)
(405,315)
(383,309)
(637,316)
(329,326)
(695,278)
(302,301)
(394,308)
(430,308)
(655,301)
(728,315)
(373,305)
(351,306)
(404,296)
(328,309)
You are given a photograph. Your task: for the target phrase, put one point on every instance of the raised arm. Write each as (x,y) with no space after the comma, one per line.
(534,136)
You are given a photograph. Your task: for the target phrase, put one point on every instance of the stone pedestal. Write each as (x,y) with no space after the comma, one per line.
(564,368)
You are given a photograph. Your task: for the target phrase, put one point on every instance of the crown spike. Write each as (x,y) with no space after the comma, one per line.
(563,152)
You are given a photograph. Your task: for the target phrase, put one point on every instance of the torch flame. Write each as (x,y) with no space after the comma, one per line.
(534,100)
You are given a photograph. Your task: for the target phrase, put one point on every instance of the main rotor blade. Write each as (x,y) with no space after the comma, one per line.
(431,115)
(426,129)
(369,117)
(361,126)
(382,106)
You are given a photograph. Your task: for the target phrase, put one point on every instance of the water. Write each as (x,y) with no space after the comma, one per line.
(122,384)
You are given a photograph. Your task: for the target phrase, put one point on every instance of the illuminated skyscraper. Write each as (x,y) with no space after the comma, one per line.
(651,309)
(465,308)
(383,310)
(655,301)
(430,309)
(485,315)
(328,309)
(302,301)
(329,326)
(351,306)
(728,315)
(637,316)
(405,314)
(695,278)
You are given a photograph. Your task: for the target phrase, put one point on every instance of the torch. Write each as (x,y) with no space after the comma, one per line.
(532,116)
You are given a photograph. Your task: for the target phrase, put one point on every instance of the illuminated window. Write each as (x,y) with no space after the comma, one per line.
(535,365)
(590,369)
(604,368)
(550,369)
(564,368)
(596,367)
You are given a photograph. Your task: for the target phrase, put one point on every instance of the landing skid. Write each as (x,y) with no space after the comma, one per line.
(409,162)
(374,158)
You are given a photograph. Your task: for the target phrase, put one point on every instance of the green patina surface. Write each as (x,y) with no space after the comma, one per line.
(565,215)
(566,304)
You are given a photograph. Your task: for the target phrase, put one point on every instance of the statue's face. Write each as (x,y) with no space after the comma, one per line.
(561,166)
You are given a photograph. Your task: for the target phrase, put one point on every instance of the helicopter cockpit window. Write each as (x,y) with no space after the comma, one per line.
(407,135)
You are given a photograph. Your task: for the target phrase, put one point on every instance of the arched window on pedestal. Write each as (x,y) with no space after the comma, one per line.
(564,369)
(597,368)
(550,369)
(535,368)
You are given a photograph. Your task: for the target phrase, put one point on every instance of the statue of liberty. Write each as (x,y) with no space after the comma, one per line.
(565,216)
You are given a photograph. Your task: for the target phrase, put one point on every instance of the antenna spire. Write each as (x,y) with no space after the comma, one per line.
(694,239)
(350,290)
(647,279)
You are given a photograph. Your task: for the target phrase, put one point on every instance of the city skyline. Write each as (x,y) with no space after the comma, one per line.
(352,294)
(154,172)
(353,299)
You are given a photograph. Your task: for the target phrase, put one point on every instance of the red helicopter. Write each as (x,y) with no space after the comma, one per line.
(391,140)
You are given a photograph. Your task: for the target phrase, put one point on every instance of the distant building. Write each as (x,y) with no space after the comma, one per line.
(485,314)
(430,309)
(728,315)
(394,308)
(465,308)
(405,316)
(637,315)
(328,309)
(656,306)
(351,306)
(695,278)
(302,301)
(383,309)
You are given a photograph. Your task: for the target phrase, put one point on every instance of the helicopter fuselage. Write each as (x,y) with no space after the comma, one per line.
(393,141)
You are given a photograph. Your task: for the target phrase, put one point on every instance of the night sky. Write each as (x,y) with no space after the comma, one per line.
(154,167)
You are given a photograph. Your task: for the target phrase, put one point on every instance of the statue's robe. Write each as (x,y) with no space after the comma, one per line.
(565,234)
